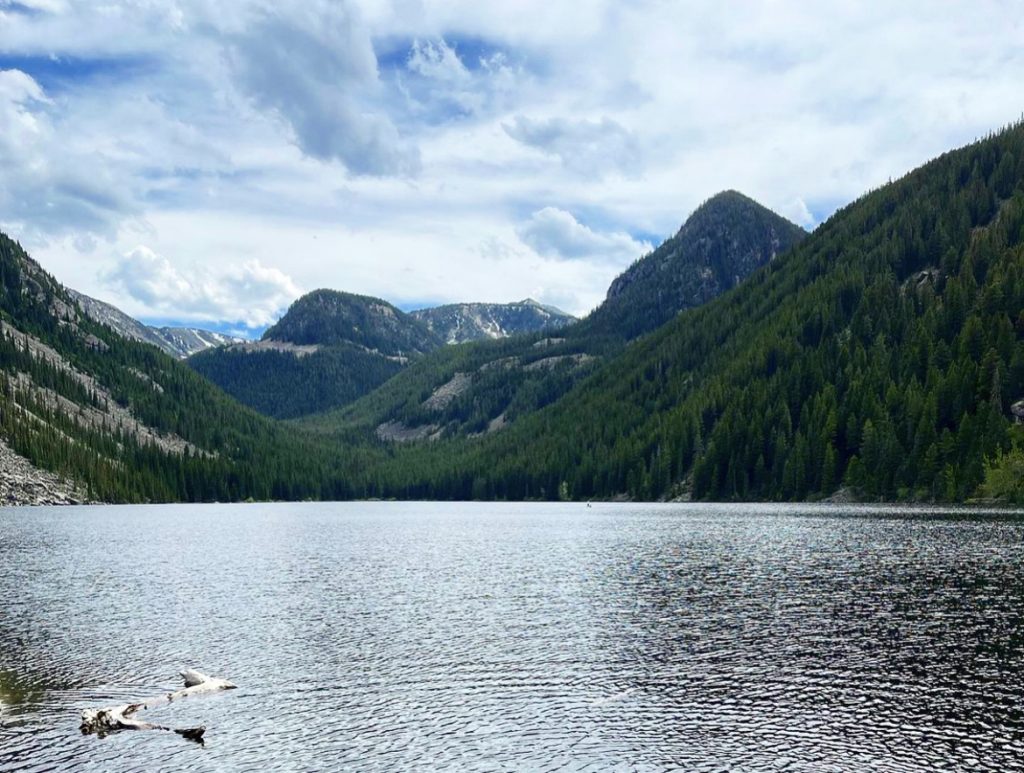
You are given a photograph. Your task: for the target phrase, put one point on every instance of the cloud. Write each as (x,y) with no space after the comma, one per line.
(442,85)
(31,6)
(798,212)
(375,145)
(437,60)
(555,233)
(315,68)
(586,147)
(248,292)
(18,88)
(47,186)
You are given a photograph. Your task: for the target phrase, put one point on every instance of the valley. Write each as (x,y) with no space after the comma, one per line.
(742,359)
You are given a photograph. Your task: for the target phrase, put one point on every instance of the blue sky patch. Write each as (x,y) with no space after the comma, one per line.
(19,8)
(224,328)
(393,52)
(61,73)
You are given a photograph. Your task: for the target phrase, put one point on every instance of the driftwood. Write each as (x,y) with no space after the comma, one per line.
(109,720)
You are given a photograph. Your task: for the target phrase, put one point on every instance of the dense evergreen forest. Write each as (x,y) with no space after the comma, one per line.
(721,243)
(882,353)
(60,409)
(355,343)
(284,385)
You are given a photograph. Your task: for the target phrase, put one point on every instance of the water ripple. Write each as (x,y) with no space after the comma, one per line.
(517,637)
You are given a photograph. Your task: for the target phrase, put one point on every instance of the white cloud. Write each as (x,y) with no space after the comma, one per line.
(555,233)
(584,146)
(441,86)
(798,212)
(247,292)
(46,184)
(438,61)
(315,67)
(375,145)
(18,88)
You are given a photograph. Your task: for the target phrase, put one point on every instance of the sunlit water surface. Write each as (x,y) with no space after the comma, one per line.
(517,637)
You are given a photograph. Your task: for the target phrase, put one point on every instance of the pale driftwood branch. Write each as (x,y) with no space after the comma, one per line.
(109,720)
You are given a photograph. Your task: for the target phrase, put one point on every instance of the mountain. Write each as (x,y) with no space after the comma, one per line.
(327,350)
(727,238)
(119,420)
(458,323)
(490,385)
(178,342)
(880,356)
(182,342)
(333,347)
(329,317)
(723,241)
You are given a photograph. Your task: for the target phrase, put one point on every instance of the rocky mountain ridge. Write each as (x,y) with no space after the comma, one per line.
(721,243)
(458,323)
(331,317)
(178,342)
(332,347)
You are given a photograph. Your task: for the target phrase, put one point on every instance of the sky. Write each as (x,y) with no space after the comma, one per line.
(204,162)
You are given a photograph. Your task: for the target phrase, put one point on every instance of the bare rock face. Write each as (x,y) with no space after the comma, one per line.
(460,322)
(444,394)
(21,483)
(178,342)
(1017,409)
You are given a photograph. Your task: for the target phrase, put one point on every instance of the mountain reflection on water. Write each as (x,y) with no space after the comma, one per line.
(517,636)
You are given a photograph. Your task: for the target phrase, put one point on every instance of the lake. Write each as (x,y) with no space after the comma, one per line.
(396,636)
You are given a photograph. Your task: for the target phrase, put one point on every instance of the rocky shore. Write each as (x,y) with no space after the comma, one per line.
(21,483)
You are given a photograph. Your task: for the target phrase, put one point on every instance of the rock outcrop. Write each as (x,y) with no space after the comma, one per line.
(21,483)
(457,323)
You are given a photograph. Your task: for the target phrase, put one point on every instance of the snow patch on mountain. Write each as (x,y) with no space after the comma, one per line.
(461,322)
(178,342)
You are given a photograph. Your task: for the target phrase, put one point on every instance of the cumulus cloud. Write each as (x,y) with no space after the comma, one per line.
(584,146)
(285,130)
(247,292)
(555,233)
(314,66)
(437,60)
(441,86)
(47,186)
(798,212)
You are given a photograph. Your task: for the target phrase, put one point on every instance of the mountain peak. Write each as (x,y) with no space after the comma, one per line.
(731,194)
(327,317)
(461,322)
(731,203)
(725,239)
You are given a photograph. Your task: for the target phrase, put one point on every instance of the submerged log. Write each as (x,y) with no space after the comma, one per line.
(110,720)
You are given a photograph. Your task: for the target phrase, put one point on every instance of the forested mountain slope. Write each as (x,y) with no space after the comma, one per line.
(884,352)
(328,349)
(488,386)
(333,347)
(129,422)
(329,317)
(178,342)
(720,244)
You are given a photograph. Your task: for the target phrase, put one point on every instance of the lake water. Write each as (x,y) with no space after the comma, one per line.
(517,637)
